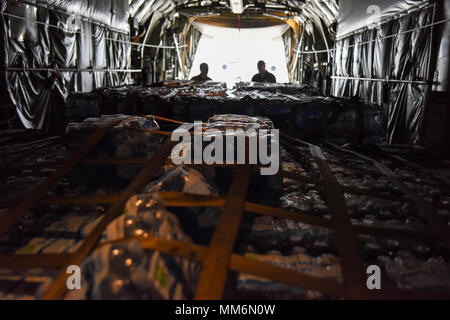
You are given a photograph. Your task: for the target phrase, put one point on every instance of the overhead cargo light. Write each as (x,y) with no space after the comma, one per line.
(237,6)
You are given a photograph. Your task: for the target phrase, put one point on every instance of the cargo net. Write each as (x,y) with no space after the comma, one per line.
(107,198)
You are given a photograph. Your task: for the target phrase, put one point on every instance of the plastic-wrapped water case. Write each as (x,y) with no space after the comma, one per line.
(131,138)
(190,181)
(126,270)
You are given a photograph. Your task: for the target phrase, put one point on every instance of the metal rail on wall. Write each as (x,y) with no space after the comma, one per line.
(68,30)
(356,44)
(13,69)
(69,70)
(217,258)
(387,80)
(375,40)
(59,10)
(429,75)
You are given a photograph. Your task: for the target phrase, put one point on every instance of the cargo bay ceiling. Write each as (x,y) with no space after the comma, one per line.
(113,12)
(313,10)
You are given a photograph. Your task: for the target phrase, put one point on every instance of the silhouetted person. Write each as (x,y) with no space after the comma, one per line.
(263,75)
(203,76)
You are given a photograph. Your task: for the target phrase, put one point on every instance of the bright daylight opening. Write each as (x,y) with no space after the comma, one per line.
(233,54)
